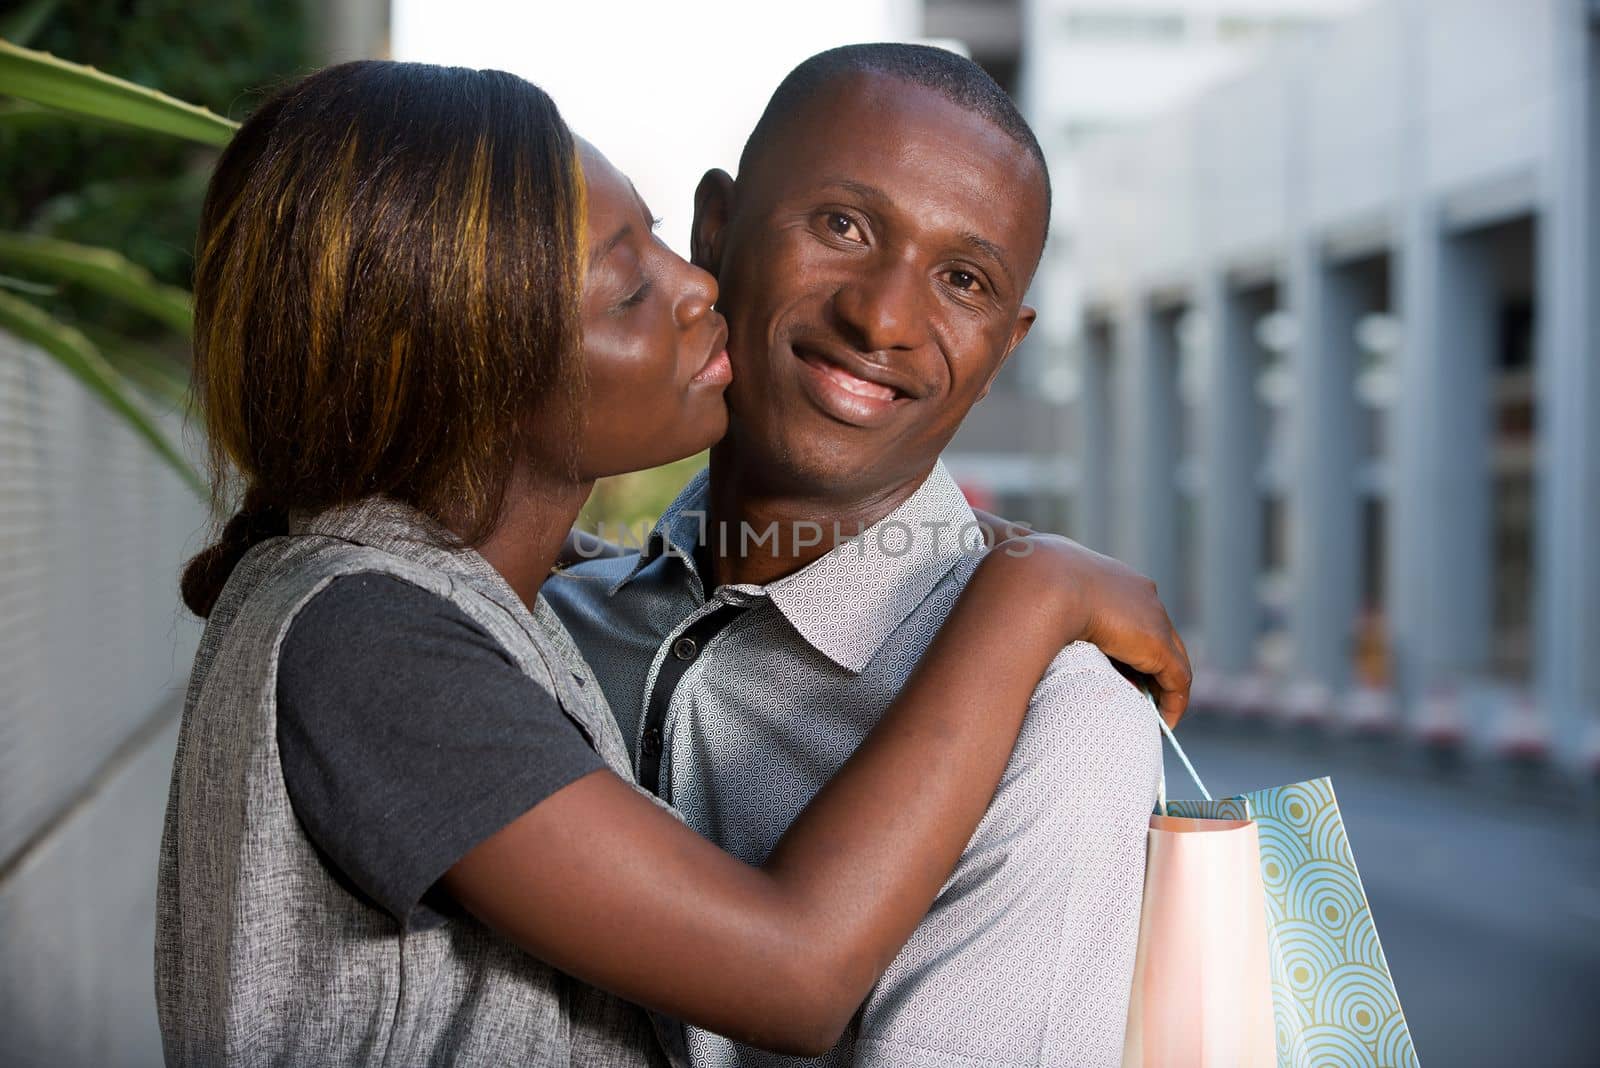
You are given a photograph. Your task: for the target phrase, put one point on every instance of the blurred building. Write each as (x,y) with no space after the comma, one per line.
(1081,69)
(1337,381)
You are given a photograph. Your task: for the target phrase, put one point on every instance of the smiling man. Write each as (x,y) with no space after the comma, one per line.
(873,254)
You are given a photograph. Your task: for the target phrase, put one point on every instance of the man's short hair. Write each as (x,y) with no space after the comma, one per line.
(953,76)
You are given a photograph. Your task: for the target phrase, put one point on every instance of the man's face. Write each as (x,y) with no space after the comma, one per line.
(872,265)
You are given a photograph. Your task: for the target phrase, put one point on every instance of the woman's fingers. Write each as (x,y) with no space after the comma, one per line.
(1169,676)
(1155,649)
(1172,691)
(1176,680)
(1130,624)
(1183,648)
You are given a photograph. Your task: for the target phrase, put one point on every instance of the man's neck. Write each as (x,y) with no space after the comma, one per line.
(760,529)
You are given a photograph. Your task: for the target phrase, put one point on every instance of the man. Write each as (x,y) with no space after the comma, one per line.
(872,255)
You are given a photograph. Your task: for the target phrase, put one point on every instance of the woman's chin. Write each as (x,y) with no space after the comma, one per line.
(700,428)
(710,428)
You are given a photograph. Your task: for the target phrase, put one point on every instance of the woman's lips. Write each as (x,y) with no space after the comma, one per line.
(717,371)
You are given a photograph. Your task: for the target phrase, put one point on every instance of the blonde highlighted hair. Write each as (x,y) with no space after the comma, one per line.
(387,295)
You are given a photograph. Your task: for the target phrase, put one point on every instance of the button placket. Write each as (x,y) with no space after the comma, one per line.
(685,651)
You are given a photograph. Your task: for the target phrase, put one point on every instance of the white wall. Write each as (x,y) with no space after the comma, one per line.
(93,653)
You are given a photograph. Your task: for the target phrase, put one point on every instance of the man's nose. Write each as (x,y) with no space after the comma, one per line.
(883,307)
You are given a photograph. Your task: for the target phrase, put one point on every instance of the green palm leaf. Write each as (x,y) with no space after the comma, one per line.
(20,116)
(79,358)
(45,79)
(102,270)
(159,374)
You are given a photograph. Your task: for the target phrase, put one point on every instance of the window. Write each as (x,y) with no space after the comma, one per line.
(1244,29)
(1125,27)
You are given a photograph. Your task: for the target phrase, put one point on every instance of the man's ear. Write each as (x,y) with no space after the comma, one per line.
(1025,318)
(713,206)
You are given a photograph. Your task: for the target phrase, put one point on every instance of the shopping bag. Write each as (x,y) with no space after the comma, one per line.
(1334,1001)
(1202,995)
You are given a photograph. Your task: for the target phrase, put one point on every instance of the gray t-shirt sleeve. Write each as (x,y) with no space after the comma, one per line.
(407,736)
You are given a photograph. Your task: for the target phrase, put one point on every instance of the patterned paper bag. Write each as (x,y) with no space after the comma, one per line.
(1334,1002)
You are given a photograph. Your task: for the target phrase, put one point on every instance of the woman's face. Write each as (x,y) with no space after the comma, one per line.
(654,348)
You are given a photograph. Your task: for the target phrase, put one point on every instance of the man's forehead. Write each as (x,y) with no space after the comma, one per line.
(945,193)
(867,130)
(866,111)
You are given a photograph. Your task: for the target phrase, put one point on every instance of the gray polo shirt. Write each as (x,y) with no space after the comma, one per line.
(739,705)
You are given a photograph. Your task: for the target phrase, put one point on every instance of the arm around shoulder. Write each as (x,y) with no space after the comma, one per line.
(1040,920)
(601,883)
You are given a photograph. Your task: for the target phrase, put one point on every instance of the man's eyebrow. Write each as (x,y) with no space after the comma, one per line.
(862,189)
(992,250)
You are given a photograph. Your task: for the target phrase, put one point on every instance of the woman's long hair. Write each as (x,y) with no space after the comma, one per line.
(387,294)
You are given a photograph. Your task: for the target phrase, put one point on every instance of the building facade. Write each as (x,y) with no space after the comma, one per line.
(1081,69)
(1336,384)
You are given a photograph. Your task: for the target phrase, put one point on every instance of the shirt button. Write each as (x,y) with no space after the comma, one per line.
(685,648)
(652,742)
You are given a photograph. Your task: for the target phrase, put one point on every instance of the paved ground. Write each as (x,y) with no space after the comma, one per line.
(1488,906)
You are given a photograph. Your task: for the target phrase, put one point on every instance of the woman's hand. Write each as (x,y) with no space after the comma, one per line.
(1116,609)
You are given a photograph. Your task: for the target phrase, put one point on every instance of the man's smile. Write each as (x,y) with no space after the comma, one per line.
(849,388)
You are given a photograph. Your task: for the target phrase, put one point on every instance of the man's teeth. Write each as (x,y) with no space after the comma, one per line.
(859,386)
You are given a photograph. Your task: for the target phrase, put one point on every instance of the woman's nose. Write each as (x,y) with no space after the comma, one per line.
(699,295)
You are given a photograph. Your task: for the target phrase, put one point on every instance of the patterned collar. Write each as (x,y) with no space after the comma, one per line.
(846,603)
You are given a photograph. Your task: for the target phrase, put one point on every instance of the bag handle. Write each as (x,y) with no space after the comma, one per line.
(1161,784)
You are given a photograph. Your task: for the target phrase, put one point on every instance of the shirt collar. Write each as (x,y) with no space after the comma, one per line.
(678,532)
(401,530)
(848,602)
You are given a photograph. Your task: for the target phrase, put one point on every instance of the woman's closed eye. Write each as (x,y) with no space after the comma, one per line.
(638,296)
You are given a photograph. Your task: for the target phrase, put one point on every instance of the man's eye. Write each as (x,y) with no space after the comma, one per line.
(964,280)
(843,226)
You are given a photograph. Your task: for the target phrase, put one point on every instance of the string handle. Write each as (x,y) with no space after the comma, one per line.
(1161,784)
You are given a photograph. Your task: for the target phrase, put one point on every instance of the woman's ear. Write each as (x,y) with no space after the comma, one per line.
(713,206)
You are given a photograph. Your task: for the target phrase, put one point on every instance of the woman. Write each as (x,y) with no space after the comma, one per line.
(426,322)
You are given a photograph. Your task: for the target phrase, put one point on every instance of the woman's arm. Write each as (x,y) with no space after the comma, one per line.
(604,885)
(1126,618)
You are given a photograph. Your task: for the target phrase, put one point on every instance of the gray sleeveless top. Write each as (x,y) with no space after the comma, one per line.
(262,957)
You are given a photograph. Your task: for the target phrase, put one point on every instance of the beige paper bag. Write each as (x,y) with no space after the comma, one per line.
(1202,987)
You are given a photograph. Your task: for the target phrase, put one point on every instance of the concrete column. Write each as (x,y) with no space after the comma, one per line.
(1440,496)
(1096,450)
(1230,526)
(1440,566)
(1129,423)
(1324,554)
(1414,285)
(1567,668)
(1147,406)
